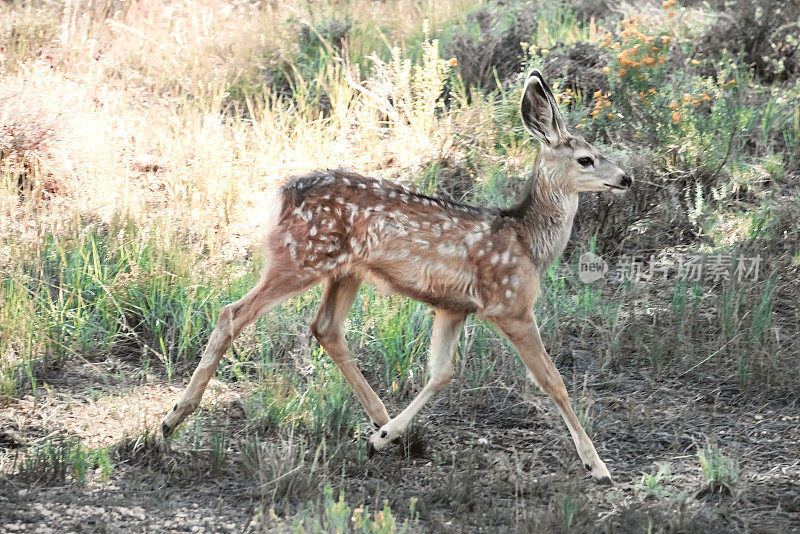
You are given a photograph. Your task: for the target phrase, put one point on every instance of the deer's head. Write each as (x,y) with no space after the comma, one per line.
(567,162)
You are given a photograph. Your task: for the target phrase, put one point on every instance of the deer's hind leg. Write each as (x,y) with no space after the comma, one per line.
(328,328)
(276,286)
(444,342)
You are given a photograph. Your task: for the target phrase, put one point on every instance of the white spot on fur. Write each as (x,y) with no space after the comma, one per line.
(472,237)
(313,231)
(495,258)
(446,248)
(508,293)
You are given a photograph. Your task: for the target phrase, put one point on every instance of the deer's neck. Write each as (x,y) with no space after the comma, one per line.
(545,215)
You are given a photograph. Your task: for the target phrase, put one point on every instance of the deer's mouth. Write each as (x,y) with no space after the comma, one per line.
(615,188)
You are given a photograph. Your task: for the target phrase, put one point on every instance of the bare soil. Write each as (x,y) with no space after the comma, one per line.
(491,459)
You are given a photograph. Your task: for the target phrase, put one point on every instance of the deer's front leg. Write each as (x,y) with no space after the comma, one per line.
(444,341)
(525,336)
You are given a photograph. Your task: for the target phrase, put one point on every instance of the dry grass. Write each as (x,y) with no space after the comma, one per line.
(153,131)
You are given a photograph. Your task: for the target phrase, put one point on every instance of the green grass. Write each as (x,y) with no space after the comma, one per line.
(721,471)
(336,516)
(60,461)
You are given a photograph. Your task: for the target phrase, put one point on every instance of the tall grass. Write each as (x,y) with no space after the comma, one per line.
(139,141)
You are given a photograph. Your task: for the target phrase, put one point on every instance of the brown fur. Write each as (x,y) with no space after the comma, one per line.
(342,228)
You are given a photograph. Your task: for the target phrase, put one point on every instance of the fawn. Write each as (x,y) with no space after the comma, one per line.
(344,229)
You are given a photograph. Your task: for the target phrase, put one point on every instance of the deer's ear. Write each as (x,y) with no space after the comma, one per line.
(539,111)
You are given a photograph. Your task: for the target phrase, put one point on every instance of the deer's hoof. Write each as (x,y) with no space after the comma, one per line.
(166,430)
(601,475)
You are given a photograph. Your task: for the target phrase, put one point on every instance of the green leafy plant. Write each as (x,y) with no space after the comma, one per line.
(719,470)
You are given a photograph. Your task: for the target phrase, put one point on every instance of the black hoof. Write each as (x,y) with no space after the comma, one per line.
(370,450)
(376,426)
(588,467)
(384,434)
(605,481)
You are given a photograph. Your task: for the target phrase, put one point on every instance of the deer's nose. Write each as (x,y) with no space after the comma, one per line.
(625,180)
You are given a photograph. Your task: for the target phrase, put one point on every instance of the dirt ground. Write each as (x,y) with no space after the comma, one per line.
(492,459)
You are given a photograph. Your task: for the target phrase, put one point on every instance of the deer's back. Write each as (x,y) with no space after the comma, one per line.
(450,255)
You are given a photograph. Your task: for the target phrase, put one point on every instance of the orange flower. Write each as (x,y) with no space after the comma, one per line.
(652,90)
(453,62)
(649,61)
(611,115)
(606,70)
(668,4)
(597,94)
(687,97)
(666,39)
(706,97)
(676,117)
(622,72)
(696,62)
(695,102)
(673,106)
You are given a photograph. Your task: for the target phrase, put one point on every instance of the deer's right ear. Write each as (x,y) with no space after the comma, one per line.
(539,111)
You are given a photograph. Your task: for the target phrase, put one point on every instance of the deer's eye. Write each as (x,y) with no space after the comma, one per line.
(585,161)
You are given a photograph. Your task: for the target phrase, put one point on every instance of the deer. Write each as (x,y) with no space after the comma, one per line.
(343,229)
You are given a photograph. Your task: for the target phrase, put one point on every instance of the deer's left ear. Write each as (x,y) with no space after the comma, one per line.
(539,111)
